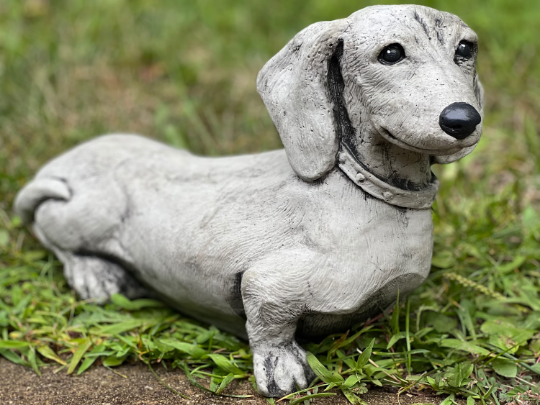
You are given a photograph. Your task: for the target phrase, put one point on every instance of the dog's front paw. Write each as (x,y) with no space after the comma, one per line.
(280,369)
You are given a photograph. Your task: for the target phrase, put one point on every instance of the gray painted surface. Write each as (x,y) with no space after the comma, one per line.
(295,240)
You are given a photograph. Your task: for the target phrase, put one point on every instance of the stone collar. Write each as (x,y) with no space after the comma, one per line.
(373,185)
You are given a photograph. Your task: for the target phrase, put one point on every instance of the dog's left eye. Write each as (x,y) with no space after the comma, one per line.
(391,54)
(465,50)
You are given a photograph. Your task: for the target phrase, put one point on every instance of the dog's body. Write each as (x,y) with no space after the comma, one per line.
(310,241)
(239,216)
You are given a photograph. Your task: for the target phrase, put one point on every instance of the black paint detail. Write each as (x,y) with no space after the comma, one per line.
(394,179)
(271,361)
(235,298)
(440,37)
(269,368)
(438,29)
(392,54)
(464,52)
(459,120)
(422,23)
(336,85)
(402,183)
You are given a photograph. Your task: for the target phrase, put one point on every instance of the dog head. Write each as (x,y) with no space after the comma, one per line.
(406,73)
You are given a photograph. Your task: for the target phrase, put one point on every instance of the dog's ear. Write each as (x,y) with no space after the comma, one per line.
(479,92)
(294,87)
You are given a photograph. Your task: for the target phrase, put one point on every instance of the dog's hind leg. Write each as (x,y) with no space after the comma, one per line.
(79,236)
(97,278)
(93,276)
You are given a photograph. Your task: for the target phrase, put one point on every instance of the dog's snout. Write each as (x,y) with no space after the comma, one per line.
(459,120)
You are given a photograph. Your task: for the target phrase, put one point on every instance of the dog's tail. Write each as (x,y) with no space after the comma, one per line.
(38,191)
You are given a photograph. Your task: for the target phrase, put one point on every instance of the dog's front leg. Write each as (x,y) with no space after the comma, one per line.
(274,300)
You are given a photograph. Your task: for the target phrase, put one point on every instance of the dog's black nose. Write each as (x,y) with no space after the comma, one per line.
(459,120)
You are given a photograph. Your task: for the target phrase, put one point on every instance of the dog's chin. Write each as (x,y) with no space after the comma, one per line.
(433,152)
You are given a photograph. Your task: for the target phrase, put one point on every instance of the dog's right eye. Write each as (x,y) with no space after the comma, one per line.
(392,54)
(465,50)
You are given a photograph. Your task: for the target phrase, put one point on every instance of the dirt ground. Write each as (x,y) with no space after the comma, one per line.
(100,386)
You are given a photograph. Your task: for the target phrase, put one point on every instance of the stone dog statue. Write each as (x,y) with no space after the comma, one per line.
(308,240)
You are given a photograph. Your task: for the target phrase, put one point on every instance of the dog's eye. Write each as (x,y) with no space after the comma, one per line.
(465,50)
(392,54)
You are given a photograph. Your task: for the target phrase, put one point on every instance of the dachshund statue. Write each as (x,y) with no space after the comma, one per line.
(308,240)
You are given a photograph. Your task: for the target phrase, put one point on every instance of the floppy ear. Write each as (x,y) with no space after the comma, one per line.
(294,88)
(479,92)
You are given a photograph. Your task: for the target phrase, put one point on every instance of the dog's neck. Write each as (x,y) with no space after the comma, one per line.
(394,165)
(398,176)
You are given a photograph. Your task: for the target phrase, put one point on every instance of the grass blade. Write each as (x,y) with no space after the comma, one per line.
(47,352)
(365,356)
(86,364)
(226,364)
(322,372)
(311,396)
(226,381)
(81,350)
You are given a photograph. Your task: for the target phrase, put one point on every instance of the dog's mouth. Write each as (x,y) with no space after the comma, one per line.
(391,138)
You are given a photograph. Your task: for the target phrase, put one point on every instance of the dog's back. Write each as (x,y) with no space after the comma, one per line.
(146,213)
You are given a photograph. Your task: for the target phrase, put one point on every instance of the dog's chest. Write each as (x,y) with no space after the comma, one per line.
(365,233)
(381,252)
(367,251)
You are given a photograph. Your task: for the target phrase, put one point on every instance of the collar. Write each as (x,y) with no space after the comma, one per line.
(373,185)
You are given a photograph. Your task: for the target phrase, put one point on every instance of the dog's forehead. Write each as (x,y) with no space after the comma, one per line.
(420,22)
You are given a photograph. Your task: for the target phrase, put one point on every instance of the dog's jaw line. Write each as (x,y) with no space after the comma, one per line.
(387,135)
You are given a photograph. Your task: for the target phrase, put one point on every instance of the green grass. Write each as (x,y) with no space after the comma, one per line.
(184,72)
